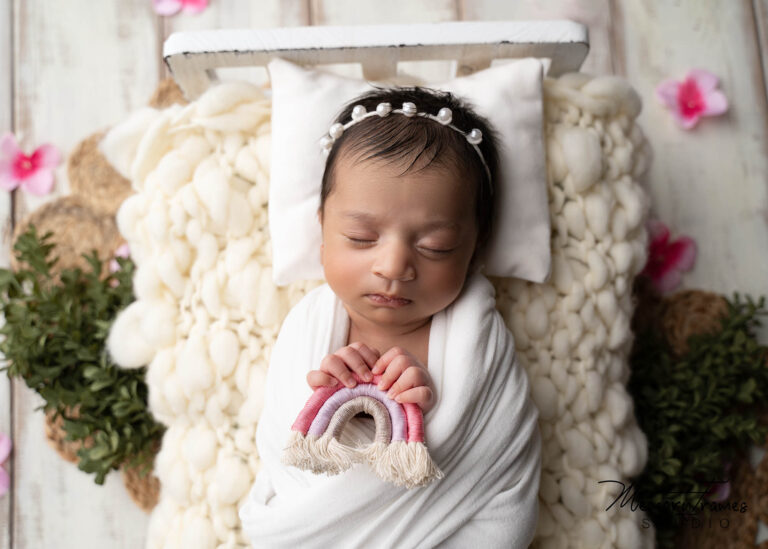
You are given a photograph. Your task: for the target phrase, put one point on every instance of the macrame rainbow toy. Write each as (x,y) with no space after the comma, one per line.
(397,454)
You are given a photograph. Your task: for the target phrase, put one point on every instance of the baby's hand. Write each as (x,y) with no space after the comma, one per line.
(338,366)
(406,378)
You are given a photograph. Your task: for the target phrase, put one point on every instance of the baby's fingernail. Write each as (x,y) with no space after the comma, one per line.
(351,383)
(367,377)
(390,393)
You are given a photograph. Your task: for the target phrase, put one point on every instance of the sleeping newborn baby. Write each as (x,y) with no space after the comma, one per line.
(406,208)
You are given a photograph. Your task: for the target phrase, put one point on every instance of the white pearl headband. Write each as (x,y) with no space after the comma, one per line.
(474,137)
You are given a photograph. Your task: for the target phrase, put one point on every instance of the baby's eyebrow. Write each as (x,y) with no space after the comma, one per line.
(435,224)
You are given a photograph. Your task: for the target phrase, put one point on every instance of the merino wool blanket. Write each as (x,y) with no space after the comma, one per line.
(482,433)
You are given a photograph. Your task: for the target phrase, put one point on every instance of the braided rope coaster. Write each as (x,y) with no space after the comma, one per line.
(166,94)
(77,229)
(143,489)
(56,435)
(733,529)
(94,180)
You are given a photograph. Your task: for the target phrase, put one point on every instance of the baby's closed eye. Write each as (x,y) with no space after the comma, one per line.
(435,248)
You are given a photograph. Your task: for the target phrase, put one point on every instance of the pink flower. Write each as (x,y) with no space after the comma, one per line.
(171,7)
(720,490)
(34,173)
(122,251)
(5,451)
(692,98)
(666,259)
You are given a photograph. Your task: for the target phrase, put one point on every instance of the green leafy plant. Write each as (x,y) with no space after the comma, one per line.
(698,412)
(55,340)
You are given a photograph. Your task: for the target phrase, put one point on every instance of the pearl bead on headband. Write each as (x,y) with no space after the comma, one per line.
(444,116)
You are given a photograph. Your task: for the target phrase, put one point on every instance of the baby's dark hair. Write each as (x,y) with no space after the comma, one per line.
(399,138)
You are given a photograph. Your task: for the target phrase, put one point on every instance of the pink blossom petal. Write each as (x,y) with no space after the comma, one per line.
(716,103)
(5,447)
(5,481)
(124,250)
(8,181)
(194,6)
(668,280)
(682,253)
(667,91)
(657,231)
(39,183)
(9,151)
(719,491)
(686,122)
(8,147)
(46,156)
(666,259)
(705,80)
(166,7)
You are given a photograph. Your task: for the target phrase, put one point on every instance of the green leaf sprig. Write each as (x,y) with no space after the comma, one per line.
(55,340)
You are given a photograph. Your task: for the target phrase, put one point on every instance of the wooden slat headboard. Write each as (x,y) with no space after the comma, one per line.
(193,56)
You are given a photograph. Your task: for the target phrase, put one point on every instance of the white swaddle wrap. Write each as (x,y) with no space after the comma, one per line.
(482,432)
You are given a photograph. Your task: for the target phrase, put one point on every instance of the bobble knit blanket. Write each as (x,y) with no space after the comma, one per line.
(482,432)
(207,313)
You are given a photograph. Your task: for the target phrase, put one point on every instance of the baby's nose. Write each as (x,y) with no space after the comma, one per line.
(394,262)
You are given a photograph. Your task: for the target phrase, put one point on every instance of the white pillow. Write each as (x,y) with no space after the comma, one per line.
(304,103)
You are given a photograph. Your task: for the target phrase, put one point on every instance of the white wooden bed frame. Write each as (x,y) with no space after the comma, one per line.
(192,57)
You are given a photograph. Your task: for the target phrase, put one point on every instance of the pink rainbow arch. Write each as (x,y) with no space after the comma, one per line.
(406,418)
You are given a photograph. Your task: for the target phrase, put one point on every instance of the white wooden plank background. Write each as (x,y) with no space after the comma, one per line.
(69,69)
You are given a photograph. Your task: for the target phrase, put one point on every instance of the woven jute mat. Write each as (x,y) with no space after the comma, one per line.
(55,435)
(728,527)
(94,180)
(691,312)
(166,94)
(144,489)
(142,486)
(77,229)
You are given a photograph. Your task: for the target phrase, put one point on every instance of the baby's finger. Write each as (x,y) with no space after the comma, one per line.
(393,372)
(355,362)
(421,395)
(316,379)
(369,354)
(384,360)
(337,367)
(413,376)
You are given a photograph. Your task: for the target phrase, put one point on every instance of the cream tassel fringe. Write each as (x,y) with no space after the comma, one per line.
(318,454)
(402,463)
(298,453)
(332,456)
(407,464)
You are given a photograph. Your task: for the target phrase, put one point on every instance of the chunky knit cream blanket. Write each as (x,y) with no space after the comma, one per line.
(207,312)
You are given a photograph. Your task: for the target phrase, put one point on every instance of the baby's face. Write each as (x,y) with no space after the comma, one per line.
(409,235)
